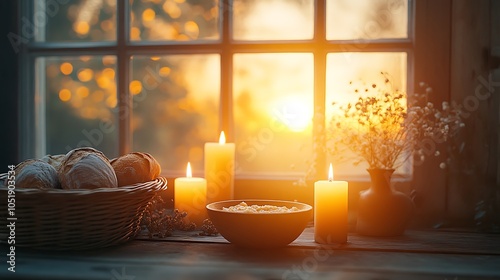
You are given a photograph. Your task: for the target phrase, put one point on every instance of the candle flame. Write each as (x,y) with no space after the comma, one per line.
(189,173)
(222,138)
(330,173)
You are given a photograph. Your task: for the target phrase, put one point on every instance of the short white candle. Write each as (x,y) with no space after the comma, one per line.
(330,210)
(190,196)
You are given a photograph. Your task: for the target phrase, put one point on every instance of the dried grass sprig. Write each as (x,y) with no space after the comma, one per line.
(384,129)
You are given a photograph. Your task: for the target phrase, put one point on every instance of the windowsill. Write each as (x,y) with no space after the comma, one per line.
(416,255)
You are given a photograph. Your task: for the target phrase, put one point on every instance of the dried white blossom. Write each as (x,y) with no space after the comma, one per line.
(446,106)
(384,127)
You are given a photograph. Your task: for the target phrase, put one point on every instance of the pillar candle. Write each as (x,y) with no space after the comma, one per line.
(190,196)
(330,210)
(219,170)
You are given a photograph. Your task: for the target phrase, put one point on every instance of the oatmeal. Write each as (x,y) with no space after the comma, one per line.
(245,208)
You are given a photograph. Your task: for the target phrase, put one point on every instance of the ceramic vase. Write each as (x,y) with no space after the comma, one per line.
(382,211)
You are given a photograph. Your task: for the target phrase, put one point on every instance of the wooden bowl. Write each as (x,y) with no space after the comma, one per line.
(260,230)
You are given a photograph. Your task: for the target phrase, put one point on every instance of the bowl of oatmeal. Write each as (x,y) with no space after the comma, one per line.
(259,223)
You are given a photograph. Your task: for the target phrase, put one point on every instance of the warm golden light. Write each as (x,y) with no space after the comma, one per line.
(135,33)
(222,138)
(107,25)
(66,68)
(97,96)
(148,15)
(295,114)
(85,75)
(330,173)
(64,95)
(111,101)
(108,60)
(82,92)
(81,27)
(172,9)
(135,87)
(109,73)
(189,173)
(164,71)
(192,29)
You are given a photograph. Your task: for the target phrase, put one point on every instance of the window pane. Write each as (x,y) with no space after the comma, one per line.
(80,103)
(273,108)
(73,21)
(350,72)
(366,19)
(175,107)
(273,19)
(169,20)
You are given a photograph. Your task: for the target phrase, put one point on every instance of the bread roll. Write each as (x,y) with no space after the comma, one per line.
(135,168)
(54,160)
(36,174)
(86,168)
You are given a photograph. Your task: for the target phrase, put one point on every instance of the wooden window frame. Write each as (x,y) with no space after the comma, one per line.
(428,46)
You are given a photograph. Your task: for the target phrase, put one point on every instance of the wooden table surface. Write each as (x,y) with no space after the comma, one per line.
(416,255)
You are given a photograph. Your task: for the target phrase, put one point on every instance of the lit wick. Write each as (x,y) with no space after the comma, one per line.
(330,173)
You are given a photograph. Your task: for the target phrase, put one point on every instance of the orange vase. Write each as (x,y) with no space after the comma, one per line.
(383,211)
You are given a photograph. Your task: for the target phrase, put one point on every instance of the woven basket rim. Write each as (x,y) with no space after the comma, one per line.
(160,183)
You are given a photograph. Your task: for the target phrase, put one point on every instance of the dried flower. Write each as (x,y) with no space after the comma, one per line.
(208,228)
(161,222)
(385,129)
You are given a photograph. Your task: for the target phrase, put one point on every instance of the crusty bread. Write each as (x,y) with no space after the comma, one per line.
(54,160)
(86,168)
(135,168)
(36,174)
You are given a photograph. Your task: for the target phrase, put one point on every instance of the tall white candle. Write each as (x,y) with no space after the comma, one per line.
(219,169)
(330,210)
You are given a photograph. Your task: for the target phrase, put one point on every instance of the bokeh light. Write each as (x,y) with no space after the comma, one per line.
(135,87)
(64,95)
(66,68)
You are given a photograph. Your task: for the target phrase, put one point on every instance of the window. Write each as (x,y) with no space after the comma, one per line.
(166,76)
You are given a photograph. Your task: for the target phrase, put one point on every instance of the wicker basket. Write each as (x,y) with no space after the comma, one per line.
(77,219)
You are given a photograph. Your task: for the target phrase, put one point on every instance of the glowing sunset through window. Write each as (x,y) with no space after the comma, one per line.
(176,98)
